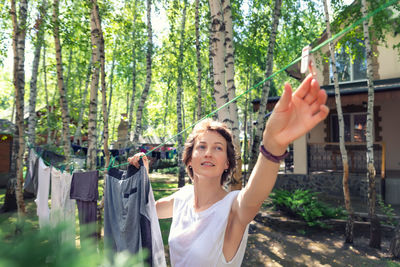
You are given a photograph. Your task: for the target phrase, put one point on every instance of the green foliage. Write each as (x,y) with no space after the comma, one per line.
(305,205)
(165,166)
(301,23)
(387,210)
(170,170)
(32,247)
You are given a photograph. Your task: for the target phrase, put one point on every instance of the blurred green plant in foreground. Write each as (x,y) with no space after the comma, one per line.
(24,245)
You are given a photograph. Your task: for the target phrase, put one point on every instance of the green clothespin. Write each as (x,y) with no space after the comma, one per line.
(71,169)
(111,163)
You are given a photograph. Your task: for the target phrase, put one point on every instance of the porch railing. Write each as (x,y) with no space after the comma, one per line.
(327,156)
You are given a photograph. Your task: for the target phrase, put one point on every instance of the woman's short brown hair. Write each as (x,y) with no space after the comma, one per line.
(222,129)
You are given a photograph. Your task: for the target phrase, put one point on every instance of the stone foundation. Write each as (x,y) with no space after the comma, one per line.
(326,182)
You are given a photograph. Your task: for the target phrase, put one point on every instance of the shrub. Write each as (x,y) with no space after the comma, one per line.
(171,170)
(305,205)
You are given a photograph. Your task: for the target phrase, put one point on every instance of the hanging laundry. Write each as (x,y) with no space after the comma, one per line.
(75,148)
(31,179)
(42,197)
(130,217)
(114,152)
(54,159)
(84,188)
(62,206)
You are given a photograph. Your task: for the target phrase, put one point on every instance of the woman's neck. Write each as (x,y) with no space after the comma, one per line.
(206,192)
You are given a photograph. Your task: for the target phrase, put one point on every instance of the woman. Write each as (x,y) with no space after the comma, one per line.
(209,225)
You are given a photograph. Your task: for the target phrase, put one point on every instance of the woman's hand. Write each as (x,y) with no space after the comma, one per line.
(294,115)
(135,160)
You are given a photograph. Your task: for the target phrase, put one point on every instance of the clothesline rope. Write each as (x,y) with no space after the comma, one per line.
(313,50)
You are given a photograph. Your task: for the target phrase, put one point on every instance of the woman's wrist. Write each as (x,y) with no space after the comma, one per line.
(273,147)
(271,157)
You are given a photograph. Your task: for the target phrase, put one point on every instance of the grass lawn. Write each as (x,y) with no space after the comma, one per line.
(160,190)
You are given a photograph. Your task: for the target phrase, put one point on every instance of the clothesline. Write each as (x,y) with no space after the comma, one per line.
(115,153)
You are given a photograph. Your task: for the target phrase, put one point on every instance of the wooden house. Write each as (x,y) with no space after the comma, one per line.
(7,130)
(316,156)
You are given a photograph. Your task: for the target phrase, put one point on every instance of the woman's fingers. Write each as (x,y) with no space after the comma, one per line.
(304,87)
(320,100)
(135,159)
(284,101)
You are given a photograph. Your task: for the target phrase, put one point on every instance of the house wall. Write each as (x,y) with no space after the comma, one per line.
(389,125)
(386,62)
(390,128)
(389,59)
(317,135)
(5,153)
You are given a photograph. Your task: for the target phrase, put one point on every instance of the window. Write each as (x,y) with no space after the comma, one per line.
(349,69)
(355,127)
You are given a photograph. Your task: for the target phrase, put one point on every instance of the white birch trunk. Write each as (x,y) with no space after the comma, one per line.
(130,115)
(111,81)
(49,139)
(218,56)
(78,131)
(266,86)
(139,111)
(199,97)
(231,89)
(375,235)
(35,66)
(19,32)
(60,83)
(349,232)
(179,94)
(92,126)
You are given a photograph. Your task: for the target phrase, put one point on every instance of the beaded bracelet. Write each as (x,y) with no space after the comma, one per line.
(272,157)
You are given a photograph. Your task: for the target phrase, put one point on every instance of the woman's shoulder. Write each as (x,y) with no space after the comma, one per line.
(184,192)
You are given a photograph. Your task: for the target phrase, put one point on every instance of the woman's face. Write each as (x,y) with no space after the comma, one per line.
(209,156)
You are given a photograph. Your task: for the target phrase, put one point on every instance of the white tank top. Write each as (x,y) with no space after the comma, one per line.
(197,238)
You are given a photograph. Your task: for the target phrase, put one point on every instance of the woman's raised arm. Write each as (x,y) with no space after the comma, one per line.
(293,116)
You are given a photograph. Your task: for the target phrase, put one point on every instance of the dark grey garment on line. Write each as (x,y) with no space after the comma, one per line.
(130,220)
(84,186)
(87,211)
(31,179)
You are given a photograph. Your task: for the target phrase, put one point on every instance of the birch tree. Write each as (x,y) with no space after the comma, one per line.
(149,54)
(179,93)
(349,232)
(78,130)
(35,66)
(94,85)
(111,80)
(134,74)
(19,33)
(375,234)
(100,41)
(60,83)
(218,56)
(231,90)
(266,86)
(198,58)
(49,139)
(211,69)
